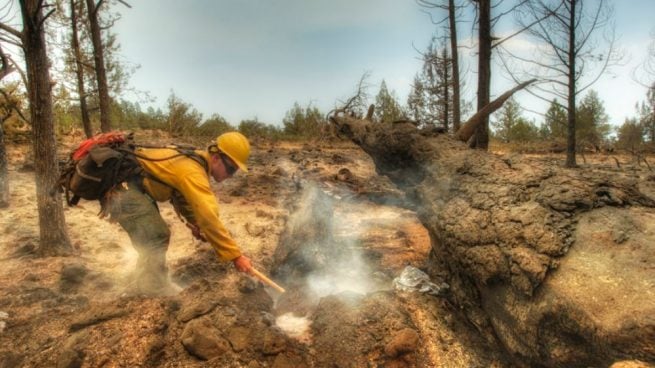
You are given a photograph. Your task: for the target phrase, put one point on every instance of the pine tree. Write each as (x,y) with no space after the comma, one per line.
(592,121)
(416,100)
(387,108)
(304,122)
(183,119)
(512,127)
(510,114)
(630,135)
(431,100)
(647,116)
(556,121)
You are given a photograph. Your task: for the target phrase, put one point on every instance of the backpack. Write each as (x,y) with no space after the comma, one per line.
(98,165)
(104,161)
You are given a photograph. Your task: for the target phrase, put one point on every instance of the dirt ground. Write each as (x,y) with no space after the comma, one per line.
(80,311)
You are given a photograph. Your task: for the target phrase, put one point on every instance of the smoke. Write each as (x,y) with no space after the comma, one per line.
(330,264)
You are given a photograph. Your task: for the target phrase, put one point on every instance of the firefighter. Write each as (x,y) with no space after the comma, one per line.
(182,179)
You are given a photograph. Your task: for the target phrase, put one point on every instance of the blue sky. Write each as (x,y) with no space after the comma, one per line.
(255,58)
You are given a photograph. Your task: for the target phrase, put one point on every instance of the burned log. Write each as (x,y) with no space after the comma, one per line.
(554,263)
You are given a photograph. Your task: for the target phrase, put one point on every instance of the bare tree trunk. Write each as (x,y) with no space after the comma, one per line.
(570,143)
(101,74)
(4,175)
(454,53)
(79,71)
(446,90)
(481,137)
(53,237)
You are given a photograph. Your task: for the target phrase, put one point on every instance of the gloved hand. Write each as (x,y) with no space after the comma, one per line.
(242,264)
(195,230)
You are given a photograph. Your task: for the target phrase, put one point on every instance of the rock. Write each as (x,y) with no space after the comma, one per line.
(255,230)
(195,309)
(247,285)
(631,364)
(97,315)
(201,339)
(345,175)
(405,341)
(238,338)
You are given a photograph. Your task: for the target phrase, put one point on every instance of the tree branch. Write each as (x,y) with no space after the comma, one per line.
(467,130)
(11,31)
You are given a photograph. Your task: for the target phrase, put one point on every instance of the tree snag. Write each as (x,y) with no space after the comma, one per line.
(536,254)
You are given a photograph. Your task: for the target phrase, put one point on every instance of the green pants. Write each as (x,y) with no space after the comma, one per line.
(138,214)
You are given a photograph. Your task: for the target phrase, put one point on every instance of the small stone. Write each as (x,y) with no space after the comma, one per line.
(201,339)
(621,237)
(247,285)
(238,338)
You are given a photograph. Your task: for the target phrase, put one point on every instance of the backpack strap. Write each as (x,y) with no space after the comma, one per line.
(186,151)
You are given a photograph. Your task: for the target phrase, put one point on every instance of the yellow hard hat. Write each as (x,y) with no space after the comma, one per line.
(236,146)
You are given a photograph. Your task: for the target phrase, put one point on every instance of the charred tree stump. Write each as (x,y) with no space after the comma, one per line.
(550,261)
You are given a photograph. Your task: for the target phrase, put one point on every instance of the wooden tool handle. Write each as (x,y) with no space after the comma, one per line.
(266,280)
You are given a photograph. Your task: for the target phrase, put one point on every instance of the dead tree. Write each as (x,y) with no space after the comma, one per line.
(511,237)
(568,30)
(79,67)
(99,61)
(4,175)
(452,9)
(5,70)
(52,228)
(481,137)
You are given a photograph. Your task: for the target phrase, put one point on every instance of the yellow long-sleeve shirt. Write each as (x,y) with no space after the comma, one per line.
(190,179)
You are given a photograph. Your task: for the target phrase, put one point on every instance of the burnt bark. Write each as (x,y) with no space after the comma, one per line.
(452,22)
(79,70)
(52,228)
(4,175)
(500,228)
(481,136)
(570,140)
(99,62)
